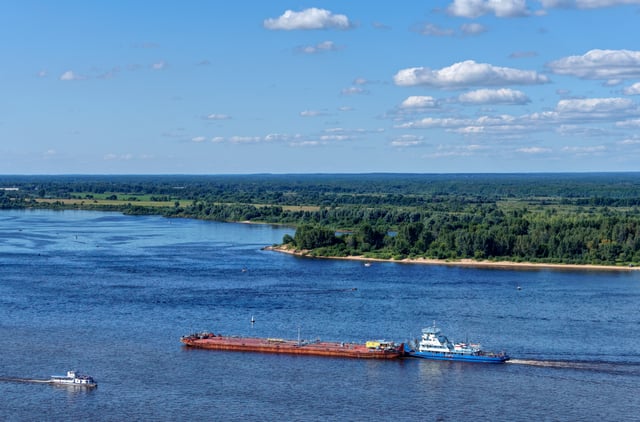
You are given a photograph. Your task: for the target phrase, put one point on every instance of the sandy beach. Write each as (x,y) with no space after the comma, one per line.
(464,262)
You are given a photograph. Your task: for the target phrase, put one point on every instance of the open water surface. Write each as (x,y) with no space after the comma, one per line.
(110,295)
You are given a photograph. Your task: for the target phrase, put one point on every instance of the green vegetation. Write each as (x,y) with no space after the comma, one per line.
(551,218)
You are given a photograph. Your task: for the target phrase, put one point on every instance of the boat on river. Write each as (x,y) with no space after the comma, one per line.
(74,379)
(374,349)
(434,345)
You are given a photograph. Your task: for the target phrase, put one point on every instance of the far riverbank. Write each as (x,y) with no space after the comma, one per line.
(462,262)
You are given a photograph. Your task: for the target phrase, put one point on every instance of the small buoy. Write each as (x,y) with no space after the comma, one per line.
(253,320)
(519,288)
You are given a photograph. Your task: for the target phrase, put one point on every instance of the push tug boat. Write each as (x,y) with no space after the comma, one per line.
(370,350)
(434,345)
(74,379)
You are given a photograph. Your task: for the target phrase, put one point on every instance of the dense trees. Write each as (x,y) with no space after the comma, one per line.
(530,237)
(545,218)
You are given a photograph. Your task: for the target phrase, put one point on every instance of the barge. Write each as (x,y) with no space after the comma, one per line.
(374,349)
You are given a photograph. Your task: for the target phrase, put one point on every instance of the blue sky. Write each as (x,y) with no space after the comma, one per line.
(212,87)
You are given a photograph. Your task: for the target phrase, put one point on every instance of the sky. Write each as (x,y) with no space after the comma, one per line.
(245,87)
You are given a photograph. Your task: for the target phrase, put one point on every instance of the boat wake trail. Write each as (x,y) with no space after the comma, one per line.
(30,380)
(598,366)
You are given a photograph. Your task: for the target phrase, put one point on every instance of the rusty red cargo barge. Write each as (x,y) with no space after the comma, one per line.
(377,349)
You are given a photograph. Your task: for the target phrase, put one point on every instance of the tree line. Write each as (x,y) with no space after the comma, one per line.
(583,218)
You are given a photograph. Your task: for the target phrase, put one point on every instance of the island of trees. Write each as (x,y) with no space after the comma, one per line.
(539,218)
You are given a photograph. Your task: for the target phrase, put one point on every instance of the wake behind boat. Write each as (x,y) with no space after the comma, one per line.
(434,345)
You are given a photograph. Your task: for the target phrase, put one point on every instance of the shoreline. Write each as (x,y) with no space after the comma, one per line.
(462,262)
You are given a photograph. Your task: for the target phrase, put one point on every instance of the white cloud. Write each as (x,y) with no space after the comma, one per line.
(118,157)
(477,8)
(161,65)
(599,64)
(631,123)
(419,101)
(584,150)
(466,74)
(42,74)
(433,122)
(318,48)
(312,113)
(307,143)
(473,28)
(570,117)
(244,139)
(354,90)
(633,89)
(494,96)
(217,116)
(199,139)
(585,4)
(594,106)
(312,18)
(431,29)
(405,141)
(630,141)
(69,75)
(534,150)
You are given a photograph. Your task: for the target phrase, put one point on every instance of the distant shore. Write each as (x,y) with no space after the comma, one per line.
(463,262)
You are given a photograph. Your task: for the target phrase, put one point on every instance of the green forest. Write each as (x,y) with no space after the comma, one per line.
(546,218)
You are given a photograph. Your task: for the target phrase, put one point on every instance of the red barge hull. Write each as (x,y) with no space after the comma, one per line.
(370,350)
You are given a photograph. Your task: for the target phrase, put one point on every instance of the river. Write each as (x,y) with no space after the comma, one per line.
(110,295)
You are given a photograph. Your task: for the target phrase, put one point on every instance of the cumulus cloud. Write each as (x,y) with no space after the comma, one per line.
(198,139)
(318,48)
(312,18)
(594,106)
(570,117)
(599,64)
(419,101)
(69,75)
(477,8)
(494,96)
(467,74)
(633,89)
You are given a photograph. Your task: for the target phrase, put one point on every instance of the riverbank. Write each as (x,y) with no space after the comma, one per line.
(462,262)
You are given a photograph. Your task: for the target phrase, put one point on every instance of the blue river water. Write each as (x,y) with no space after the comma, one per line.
(110,295)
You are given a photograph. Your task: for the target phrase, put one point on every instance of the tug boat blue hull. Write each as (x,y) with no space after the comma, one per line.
(434,345)
(481,358)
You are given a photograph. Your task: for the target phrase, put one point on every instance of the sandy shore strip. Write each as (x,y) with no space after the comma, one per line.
(463,262)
